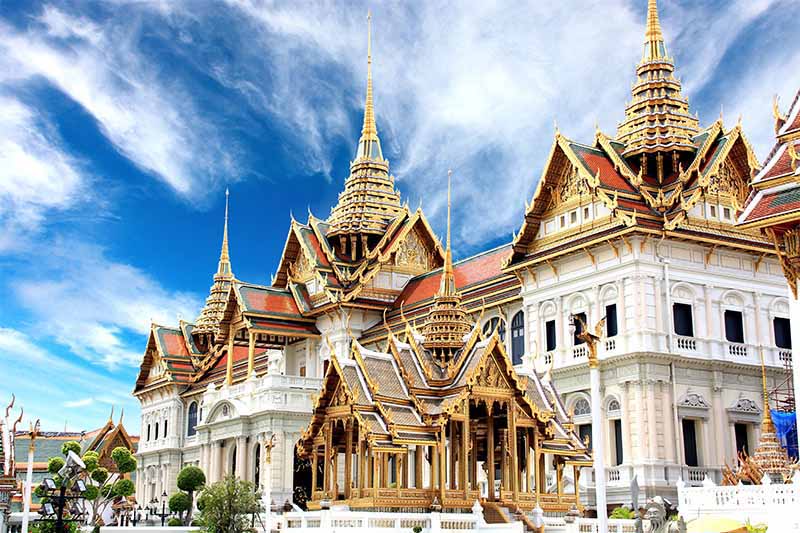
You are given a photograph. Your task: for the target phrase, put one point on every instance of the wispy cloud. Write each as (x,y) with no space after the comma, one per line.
(37,177)
(92,304)
(44,382)
(149,117)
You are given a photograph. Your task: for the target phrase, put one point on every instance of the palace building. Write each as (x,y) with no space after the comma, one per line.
(394,378)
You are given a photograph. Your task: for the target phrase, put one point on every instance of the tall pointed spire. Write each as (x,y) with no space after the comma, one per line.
(369,200)
(657,119)
(654,47)
(447,325)
(211,314)
(448,284)
(369,145)
(224,267)
(770,456)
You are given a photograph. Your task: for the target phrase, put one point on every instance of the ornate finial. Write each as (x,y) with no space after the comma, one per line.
(764,390)
(653,33)
(369,131)
(121,416)
(224,268)
(111,415)
(447,287)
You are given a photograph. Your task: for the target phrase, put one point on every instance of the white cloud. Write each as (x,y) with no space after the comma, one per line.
(43,382)
(149,119)
(36,176)
(91,303)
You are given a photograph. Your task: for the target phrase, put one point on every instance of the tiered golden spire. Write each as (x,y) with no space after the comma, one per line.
(211,314)
(369,200)
(770,456)
(657,119)
(447,324)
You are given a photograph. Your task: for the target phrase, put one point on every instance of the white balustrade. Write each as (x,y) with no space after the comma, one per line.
(737,350)
(785,356)
(579,351)
(386,522)
(687,344)
(611,345)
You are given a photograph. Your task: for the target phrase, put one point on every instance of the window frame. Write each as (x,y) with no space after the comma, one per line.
(517,337)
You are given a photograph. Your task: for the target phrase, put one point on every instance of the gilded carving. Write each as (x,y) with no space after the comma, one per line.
(728,182)
(569,186)
(301,268)
(413,253)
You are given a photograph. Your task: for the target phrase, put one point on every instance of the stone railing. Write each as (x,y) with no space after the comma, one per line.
(579,351)
(774,505)
(737,350)
(696,475)
(611,344)
(686,344)
(587,525)
(366,521)
(785,356)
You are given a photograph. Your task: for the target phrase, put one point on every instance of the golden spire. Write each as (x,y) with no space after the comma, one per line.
(224,267)
(654,39)
(770,455)
(766,419)
(369,146)
(211,314)
(448,284)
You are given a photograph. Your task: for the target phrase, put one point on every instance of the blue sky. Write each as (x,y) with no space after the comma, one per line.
(122,123)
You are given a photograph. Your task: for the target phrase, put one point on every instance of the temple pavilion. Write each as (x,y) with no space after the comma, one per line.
(422,423)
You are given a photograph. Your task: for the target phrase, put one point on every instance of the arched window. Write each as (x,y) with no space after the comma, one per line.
(495,323)
(156,430)
(191,429)
(613,406)
(257,465)
(148,431)
(582,407)
(517,338)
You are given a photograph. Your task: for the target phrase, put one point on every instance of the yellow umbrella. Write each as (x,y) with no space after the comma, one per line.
(713,524)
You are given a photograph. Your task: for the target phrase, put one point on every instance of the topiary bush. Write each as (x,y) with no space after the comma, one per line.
(622,513)
(70,446)
(174,522)
(190,479)
(55,464)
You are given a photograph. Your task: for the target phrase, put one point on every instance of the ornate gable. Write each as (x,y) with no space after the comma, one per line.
(414,254)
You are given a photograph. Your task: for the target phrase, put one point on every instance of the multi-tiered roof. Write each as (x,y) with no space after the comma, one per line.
(369,201)
(660,175)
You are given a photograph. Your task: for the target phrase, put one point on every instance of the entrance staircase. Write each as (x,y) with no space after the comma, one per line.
(494,513)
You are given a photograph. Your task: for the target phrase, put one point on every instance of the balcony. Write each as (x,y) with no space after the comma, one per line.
(611,345)
(785,356)
(737,350)
(686,344)
(693,476)
(579,351)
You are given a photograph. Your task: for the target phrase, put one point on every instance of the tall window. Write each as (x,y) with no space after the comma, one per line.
(148,431)
(577,320)
(257,465)
(156,430)
(233,460)
(550,335)
(734,326)
(611,320)
(742,443)
(682,318)
(165,428)
(617,427)
(585,433)
(495,323)
(690,442)
(783,332)
(191,430)
(517,338)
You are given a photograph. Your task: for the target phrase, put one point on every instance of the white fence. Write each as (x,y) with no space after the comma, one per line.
(366,522)
(775,505)
(587,525)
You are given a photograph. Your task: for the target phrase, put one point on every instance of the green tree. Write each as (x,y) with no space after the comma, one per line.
(101,485)
(190,480)
(227,506)
(180,503)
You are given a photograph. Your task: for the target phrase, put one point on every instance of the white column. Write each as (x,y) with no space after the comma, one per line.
(598,447)
(241,457)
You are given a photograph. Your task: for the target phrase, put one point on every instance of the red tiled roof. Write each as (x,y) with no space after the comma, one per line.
(608,174)
(468,272)
(776,203)
(267,300)
(173,343)
(313,242)
(781,167)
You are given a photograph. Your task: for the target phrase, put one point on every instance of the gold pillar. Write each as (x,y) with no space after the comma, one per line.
(326,469)
(464,460)
(398,472)
(514,466)
(503,460)
(376,463)
(229,366)
(314,463)
(384,470)
(348,458)
(434,466)
(473,460)
(418,458)
(335,473)
(251,354)
(490,453)
(442,465)
(453,451)
(361,466)
(576,476)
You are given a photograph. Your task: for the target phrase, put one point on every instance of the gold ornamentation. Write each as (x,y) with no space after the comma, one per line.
(302,268)
(413,253)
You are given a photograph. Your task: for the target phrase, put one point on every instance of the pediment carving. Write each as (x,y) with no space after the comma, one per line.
(413,253)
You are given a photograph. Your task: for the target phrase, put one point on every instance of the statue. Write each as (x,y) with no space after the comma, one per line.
(591,339)
(655,519)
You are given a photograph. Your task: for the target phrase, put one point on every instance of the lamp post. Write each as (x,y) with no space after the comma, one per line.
(154,508)
(592,339)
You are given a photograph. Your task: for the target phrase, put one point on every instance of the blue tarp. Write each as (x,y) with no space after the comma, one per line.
(786,428)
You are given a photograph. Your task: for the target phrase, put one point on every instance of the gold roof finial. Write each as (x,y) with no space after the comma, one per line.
(767,419)
(224,256)
(369,144)
(653,33)
(447,287)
